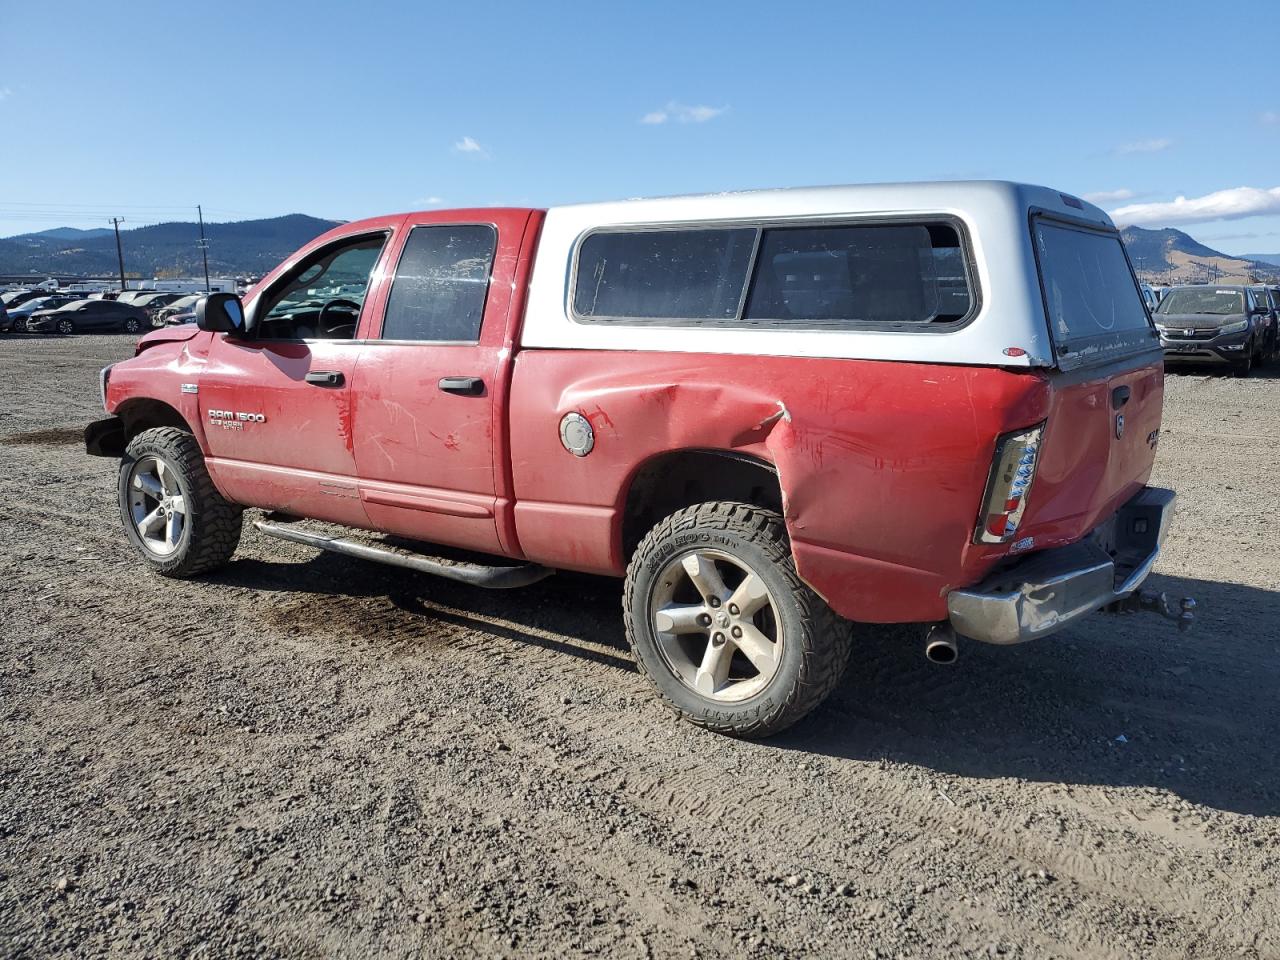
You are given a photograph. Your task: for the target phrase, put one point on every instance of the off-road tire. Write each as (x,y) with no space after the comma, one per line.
(817,641)
(212,529)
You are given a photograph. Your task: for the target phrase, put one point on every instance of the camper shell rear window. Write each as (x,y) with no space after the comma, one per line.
(902,274)
(1092,299)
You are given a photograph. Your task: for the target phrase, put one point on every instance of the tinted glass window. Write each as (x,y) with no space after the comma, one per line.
(845,276)
(440,284)
(1089,290)
(663,275)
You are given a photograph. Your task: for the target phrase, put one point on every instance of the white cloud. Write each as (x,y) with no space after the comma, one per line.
(468,145)
(1109,196)
(1269,118)
(1233,204)
(1154,145)
(429,201)
(6,93)
(683,113)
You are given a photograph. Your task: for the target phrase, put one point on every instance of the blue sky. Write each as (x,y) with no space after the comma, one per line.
(347,109)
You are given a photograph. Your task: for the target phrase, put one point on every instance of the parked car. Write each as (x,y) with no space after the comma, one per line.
(20,315)
(1218,324)
(1149,297)
(183,306)
(153,302)
(958,403)
(16,298)
(81,316)
(1268,299)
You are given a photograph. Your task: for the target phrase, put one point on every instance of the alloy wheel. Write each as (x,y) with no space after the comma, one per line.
(157,506)
(716,625)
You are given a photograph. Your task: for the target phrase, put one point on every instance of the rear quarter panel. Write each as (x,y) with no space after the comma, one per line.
(882,464)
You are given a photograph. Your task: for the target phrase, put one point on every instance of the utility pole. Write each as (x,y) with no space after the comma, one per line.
(204,248)
(115,222)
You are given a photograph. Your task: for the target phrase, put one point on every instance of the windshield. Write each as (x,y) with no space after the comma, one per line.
(1203,300)
(1092,299)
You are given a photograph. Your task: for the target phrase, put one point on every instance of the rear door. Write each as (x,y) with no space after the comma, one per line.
(432,383)
(1108,390)
(277,405)
(101,315)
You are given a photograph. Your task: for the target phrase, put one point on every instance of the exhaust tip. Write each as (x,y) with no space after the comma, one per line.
(940,647)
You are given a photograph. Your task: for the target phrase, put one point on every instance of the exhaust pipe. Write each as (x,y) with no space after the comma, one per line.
(940,644)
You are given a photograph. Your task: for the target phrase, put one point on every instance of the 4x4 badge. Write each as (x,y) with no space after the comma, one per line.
(1119,425)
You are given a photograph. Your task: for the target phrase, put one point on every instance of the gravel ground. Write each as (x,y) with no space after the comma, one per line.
(310,756)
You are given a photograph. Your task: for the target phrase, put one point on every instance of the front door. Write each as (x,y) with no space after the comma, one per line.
(426,418)
(276,404)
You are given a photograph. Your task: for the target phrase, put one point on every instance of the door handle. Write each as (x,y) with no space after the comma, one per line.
(1119,397)
(464,386)
(326,378)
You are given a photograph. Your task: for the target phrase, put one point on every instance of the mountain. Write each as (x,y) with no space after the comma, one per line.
(72,233)
(1272,258)
(243,248)
(1171,256)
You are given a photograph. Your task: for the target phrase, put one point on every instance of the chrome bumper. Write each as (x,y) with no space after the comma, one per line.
(1052,589)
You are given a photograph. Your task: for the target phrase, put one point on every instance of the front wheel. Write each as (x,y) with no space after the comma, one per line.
(66,326)
(1243,367)
(722,625)
(173,515)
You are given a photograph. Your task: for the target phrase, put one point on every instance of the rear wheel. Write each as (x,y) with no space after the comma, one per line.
(132,325)
(65,326)
(722,625)
(172,514)
(19,324)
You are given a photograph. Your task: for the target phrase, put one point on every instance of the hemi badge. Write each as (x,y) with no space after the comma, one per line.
(191,388)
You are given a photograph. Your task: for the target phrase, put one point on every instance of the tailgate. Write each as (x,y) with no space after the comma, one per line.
(1100,434)
(1098,448)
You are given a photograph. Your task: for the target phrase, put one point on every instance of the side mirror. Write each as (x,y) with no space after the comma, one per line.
(220,313)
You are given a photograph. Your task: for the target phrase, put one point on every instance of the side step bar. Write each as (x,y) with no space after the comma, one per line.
(475,574)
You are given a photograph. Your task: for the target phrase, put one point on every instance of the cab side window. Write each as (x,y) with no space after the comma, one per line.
(321,298)
(440,285)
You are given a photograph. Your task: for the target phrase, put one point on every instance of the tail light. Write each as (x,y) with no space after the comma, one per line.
(1012,471)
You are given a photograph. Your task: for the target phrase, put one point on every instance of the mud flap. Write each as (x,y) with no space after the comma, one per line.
(105,438)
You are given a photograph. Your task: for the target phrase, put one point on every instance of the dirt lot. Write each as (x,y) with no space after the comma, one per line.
(313,756)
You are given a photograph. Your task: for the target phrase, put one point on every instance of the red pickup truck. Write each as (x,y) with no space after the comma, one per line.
(771,412)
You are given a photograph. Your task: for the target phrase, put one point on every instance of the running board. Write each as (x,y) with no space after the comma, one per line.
(475,574)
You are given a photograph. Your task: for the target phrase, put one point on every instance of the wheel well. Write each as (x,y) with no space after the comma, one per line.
(144,413)
(677,480)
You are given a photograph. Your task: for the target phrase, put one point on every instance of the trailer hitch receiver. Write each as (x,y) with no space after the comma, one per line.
(1181,611)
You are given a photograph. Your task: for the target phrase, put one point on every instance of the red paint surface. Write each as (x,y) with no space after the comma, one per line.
(882,464)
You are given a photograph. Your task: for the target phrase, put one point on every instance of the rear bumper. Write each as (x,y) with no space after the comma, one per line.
(1052,589)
